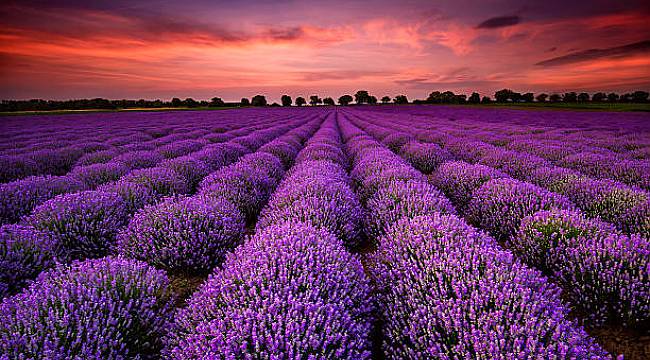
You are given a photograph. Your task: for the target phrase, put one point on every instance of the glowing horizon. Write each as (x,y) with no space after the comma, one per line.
(201,49)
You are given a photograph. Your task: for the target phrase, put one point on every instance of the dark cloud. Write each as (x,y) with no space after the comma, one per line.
(498,22)
(592,54)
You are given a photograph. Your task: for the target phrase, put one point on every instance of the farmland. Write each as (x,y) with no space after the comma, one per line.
(366,232)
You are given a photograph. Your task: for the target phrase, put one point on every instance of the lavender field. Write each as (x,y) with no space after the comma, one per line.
(366,232)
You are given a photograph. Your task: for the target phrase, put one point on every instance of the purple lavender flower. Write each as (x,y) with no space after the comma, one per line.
(191,169)
(183,235)
(425,157)
(97,157)
(605,273)
(24,253)
(458,180)
(16,167)
(135,196)
(162,181)
(292,291)
(20,197)
(499,205)
(84,223)
(139,159)
(109,308)
(284,151)
(447,290)
(322,202)
(636,220)
(403,199)
(98,174)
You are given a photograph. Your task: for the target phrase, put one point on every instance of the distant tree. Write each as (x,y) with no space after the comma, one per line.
(275,105)
(640,96)
(258,100)
(570,97)
(245,102)
(435,97)
(189,102)
(401,99)
(300,101)
(599,97)
(448,97)
(328,101)
(286,100)
(503,95)
(475,98)
(216,102)
(625,98)
(516,97)
(176,102)
(528,97)
(385,99)
(555,98)
(486,100)
(372,99)
(541,97)
(460,99)
(345,100)
(583,97)
(361,97)
(612,97)
(315,100)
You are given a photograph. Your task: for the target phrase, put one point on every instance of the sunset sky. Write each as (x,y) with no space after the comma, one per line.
(159,49)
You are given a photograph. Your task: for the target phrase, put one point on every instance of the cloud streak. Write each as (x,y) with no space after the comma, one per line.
(642,47)
(499,22)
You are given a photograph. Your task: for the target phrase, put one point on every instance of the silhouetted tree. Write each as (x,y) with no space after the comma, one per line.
(300,101)
(401,99)
(372,99)
(258,100)
(328,101)
(385,99)
(435,97)
(286,100)
(640,96)
(315,100)
(345,99)
(189,102)
(503,95)
(448,97)
(176,102)
(570,97)
(528,97)
(583,97)
(275,105)
(475,98)
(516,97)
(460,99)
(612,97)
(245,102)
(486,100)
(541,97)
(361,97)
(599,97)
(555,98)
(216,102)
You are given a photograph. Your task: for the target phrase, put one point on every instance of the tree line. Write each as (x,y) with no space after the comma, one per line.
(360,97)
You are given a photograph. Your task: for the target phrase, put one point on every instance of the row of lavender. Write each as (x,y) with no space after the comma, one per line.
(293,291)
(96,168)
(627,207)
(445,289)
(56,146)
(605,273)
(181,234)
(84,224)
